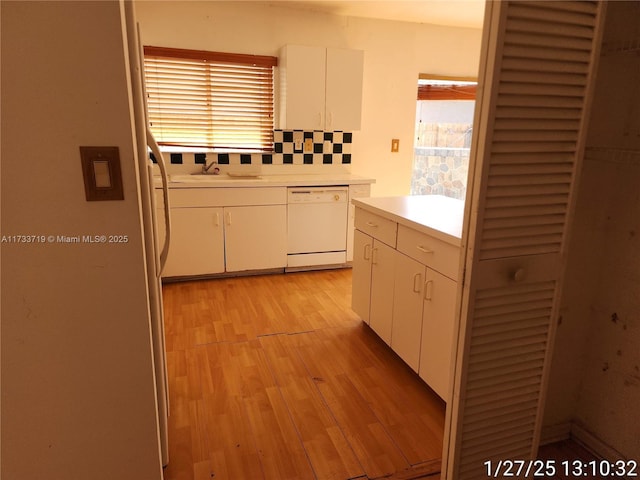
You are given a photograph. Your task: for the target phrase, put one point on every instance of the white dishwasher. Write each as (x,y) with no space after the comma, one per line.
(316,226)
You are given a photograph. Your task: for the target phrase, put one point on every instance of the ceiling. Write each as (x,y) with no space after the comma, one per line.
(458,13)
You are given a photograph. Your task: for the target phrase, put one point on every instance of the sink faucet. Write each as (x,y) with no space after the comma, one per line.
(205,168)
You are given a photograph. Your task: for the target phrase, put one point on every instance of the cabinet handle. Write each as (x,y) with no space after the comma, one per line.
(374,260)
(424,250)
(217,219)
(367,252)
(417,282)
(428,290)
(329,120)
(320,119)
(371,224)
(228,218)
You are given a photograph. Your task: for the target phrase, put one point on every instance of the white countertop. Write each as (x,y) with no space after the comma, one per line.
(293,180)
(435,215)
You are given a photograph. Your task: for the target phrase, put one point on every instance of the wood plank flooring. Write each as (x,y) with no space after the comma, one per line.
(274,377)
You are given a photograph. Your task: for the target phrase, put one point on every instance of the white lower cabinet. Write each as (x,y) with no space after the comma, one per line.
(361,275)
(382,274)
(438,317)
(407,309)
(255,237)
(209,237)
(403,298)
(197,241)
(372,283)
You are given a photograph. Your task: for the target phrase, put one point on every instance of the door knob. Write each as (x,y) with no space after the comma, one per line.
(517,275)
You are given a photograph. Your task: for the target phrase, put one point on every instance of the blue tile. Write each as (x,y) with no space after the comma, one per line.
(223,158)
(200,158)
(176,159)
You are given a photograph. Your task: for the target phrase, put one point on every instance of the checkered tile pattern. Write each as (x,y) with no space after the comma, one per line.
(327,148)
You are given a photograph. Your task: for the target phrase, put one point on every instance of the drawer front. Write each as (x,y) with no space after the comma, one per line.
(221,197)
(429,251)
(376,226)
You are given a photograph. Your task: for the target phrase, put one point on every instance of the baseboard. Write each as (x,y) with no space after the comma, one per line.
(574,431)
(555,433)
(592,443)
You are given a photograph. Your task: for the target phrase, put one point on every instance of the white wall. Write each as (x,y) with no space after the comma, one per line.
(595,378)
(78,399)
(395,53)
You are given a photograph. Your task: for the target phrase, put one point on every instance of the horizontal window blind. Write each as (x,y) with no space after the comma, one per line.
(446,92)
(210,100)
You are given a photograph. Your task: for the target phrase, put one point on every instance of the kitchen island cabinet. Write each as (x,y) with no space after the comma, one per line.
(414,244)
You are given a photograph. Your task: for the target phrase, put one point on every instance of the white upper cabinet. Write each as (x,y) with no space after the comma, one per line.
(320,88)
(343,96)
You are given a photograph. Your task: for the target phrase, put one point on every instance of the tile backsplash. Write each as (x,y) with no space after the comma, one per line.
(327,148)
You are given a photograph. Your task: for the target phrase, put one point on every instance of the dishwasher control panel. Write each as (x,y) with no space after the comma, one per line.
(318,195)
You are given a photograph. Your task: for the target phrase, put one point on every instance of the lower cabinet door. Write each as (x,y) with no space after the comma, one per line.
(255,237)
(382,280)
(197,241)
(407,327)
(437,332)
(361,275)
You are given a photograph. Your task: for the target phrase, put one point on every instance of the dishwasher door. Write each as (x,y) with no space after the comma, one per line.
(317,219)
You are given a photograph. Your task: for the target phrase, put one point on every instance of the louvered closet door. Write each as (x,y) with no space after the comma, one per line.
(530,123)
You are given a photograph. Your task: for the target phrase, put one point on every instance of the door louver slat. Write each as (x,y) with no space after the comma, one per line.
(532,119)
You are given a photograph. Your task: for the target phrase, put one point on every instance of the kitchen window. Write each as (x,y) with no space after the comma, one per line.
(199,100)
(444,123)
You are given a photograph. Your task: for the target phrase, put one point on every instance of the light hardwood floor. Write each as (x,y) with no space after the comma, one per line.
(274,377)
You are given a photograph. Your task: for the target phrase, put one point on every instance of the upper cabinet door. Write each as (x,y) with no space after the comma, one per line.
(302,87)
(320,88)
(343,105)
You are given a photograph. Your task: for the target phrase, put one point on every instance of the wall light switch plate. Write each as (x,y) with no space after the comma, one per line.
(395,145)
(101,173)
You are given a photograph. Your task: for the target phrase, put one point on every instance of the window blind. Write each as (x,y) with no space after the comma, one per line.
(210,100)
(447,92)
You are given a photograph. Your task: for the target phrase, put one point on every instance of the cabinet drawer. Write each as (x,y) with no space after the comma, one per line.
(434,253)
(219,197)
(376,226)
